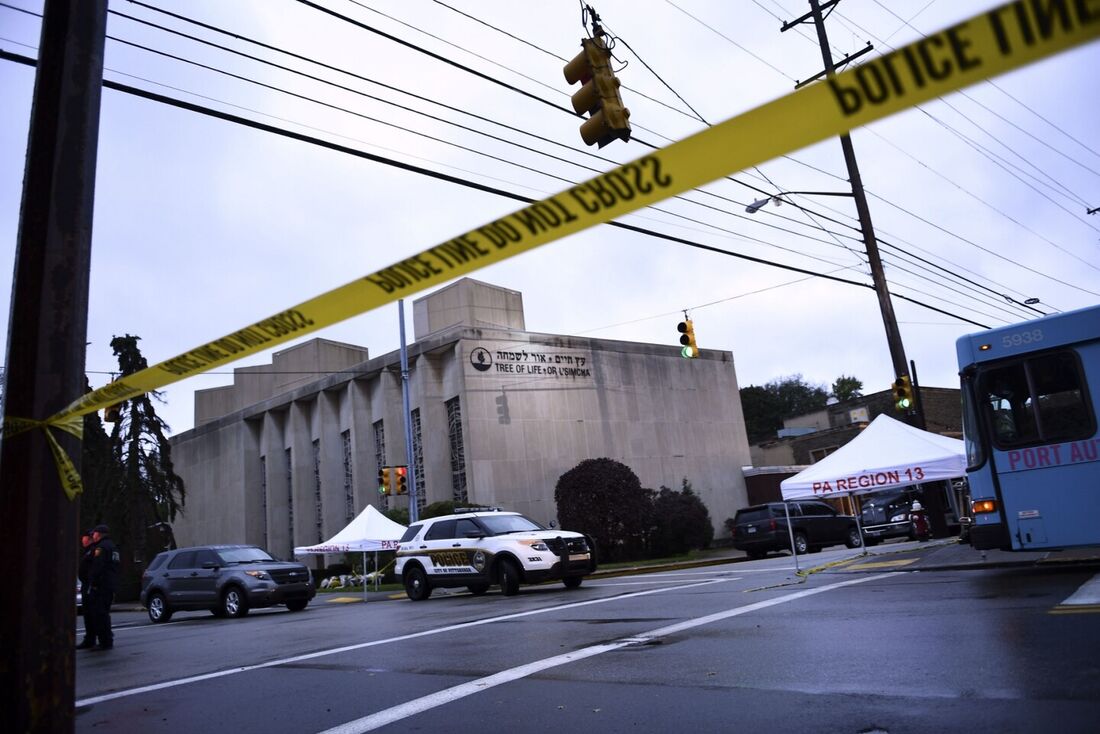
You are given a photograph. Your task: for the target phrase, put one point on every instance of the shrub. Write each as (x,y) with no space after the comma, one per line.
(603,498)
(680,523)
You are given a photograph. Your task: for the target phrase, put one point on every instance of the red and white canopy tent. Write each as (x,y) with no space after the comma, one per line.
(887,454)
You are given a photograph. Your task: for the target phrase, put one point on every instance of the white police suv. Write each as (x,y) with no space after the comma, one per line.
(477,548)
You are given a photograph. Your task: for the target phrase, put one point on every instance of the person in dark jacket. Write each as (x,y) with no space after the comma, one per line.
(101,579)
(85,567)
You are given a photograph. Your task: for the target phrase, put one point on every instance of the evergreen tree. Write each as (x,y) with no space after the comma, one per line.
(141,492)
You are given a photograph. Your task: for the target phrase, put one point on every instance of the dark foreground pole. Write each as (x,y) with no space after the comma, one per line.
(45,369)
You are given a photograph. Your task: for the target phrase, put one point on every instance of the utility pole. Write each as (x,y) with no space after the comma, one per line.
(893,335)
(410,455)
(45,368)
(886,307)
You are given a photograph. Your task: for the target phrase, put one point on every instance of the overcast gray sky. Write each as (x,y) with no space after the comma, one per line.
(203,226)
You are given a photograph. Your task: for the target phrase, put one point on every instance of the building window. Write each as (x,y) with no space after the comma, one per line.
(263,501)
(817,455)
(418,462)
(290,497)
(458,454)
(380,454)
(349,482)
(320,518)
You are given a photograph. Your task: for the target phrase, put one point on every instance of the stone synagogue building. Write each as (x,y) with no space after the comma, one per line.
(290,452)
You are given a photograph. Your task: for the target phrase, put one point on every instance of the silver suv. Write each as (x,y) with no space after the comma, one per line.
(477,549)
(226,579)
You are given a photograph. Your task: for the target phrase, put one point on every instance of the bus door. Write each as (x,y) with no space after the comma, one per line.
(1043,448)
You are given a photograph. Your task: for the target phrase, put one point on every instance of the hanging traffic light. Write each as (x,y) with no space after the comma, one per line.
(113,413)
(598,95)
(903,394)
(504,417)
(402,479)
(385,480)
(687,338)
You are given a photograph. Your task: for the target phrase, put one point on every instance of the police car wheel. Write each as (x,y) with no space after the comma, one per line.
(572,582)
(509,577)
(478,589)
(416,584)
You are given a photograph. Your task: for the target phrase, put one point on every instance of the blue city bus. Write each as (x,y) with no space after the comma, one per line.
(1030,394)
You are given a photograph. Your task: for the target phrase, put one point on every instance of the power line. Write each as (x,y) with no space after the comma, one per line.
(705,224)
(525,147)
(433,117)
(990,82)
(642,142)
(980,149)
(199,109)
(922,219)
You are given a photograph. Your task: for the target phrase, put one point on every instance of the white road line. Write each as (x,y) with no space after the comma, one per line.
(1088,593)
(419,705)
(602,584)
(348,648)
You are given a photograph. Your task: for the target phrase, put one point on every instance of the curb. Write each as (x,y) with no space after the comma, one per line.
(635,570)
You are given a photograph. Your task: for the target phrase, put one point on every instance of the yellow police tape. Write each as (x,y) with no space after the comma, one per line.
(1004,38)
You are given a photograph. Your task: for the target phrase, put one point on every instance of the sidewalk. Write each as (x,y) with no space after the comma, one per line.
(950,555)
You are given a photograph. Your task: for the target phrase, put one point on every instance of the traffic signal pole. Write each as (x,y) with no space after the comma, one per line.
(414,490)
(46,347)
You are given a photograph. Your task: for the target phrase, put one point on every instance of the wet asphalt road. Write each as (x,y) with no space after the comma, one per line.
(745,646)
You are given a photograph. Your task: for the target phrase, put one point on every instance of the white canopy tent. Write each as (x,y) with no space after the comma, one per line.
(369,531)
(887,454)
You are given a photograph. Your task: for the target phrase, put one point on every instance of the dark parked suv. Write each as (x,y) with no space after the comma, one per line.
(763,528)
(226,579)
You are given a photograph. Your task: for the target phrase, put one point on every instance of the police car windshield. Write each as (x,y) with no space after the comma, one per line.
(244,555)
(501,524)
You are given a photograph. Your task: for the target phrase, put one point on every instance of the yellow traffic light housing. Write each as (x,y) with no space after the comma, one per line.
(402,479)
(113,413)
(687,338)
(599,94)
(385,480)
(903,394)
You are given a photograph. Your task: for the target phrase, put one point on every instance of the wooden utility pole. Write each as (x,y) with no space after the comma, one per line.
(915,417)
(45,368)
(886,307)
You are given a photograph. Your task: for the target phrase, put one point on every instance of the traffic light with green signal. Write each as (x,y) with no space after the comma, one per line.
(598,95)
(385,480)
(903,394)
(687,338)
(402,479)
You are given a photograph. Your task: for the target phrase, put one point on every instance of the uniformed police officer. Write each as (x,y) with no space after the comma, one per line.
(101,578)
(85,568)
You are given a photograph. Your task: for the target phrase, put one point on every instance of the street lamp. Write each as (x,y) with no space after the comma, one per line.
(757,205)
